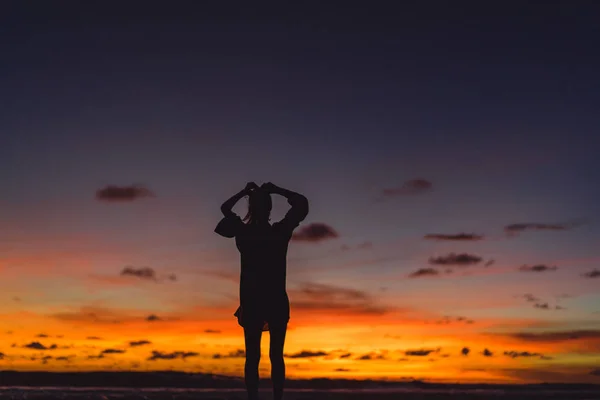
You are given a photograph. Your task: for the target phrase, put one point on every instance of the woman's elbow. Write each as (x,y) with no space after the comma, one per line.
(303,206)
(225,210)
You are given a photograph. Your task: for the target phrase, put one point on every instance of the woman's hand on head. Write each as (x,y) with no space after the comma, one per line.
(250,186)
(268,187)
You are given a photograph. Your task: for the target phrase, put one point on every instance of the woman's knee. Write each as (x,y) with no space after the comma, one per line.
(252,357)
(276,356)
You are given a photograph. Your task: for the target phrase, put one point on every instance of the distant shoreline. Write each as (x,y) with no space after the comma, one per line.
(184,380)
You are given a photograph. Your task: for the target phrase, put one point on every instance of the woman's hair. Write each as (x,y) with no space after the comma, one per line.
(259,206)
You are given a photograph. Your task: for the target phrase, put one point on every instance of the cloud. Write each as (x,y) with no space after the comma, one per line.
(142,272)
(446,320)
(595,273)
(531,298)
(462,259)
(39,346)
(321,291)
(212,331)
(113,193)
(421,352)
(98,315)
(152,318)
(410,187)
(371,356)
(537,268)
(41,335)
(44,359)
(557,336)
(64,358)
(515,229)
(342,370)
(139,343)
(424,272)
(312,296)
(158,355)
(146,273)
(542,306)
(307,354)
(112,351)
(315,232)
(527,354)
(595,372)
(2,355)
(94,338)
(465,351)
(489,263)
(457,236)
(239,353)
(346,355)
(487,353)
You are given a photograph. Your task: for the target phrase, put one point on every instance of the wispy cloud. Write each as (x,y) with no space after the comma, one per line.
(515,229)
(447,320)
(239,353)
(557,336)
(158,355)
(453,237)
(141,272)
(424,272)
(114,193)
(410,187)
(372,356)
(525,354)
(530,298)
(137,343)
(307,354)
(112,351)
(329,298)
(421,352)
(537,268)
(39,346)
(595,273)
(462,259)
(315,232)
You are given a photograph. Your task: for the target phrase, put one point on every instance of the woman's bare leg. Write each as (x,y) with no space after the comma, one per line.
(252,336)
(277,333)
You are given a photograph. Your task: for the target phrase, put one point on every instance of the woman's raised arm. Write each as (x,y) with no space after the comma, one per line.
(299,202)
(229,203)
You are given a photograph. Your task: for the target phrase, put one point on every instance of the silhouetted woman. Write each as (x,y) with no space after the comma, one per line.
(264,303)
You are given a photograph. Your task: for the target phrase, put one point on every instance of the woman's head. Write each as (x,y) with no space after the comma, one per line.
(259,206)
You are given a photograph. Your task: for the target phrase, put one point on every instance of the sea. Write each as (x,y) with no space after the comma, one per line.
(68,393)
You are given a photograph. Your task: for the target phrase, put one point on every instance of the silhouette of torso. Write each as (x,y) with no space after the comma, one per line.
(263,251)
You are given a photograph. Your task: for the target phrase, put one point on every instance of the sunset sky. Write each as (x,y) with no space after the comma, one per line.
(450,154)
